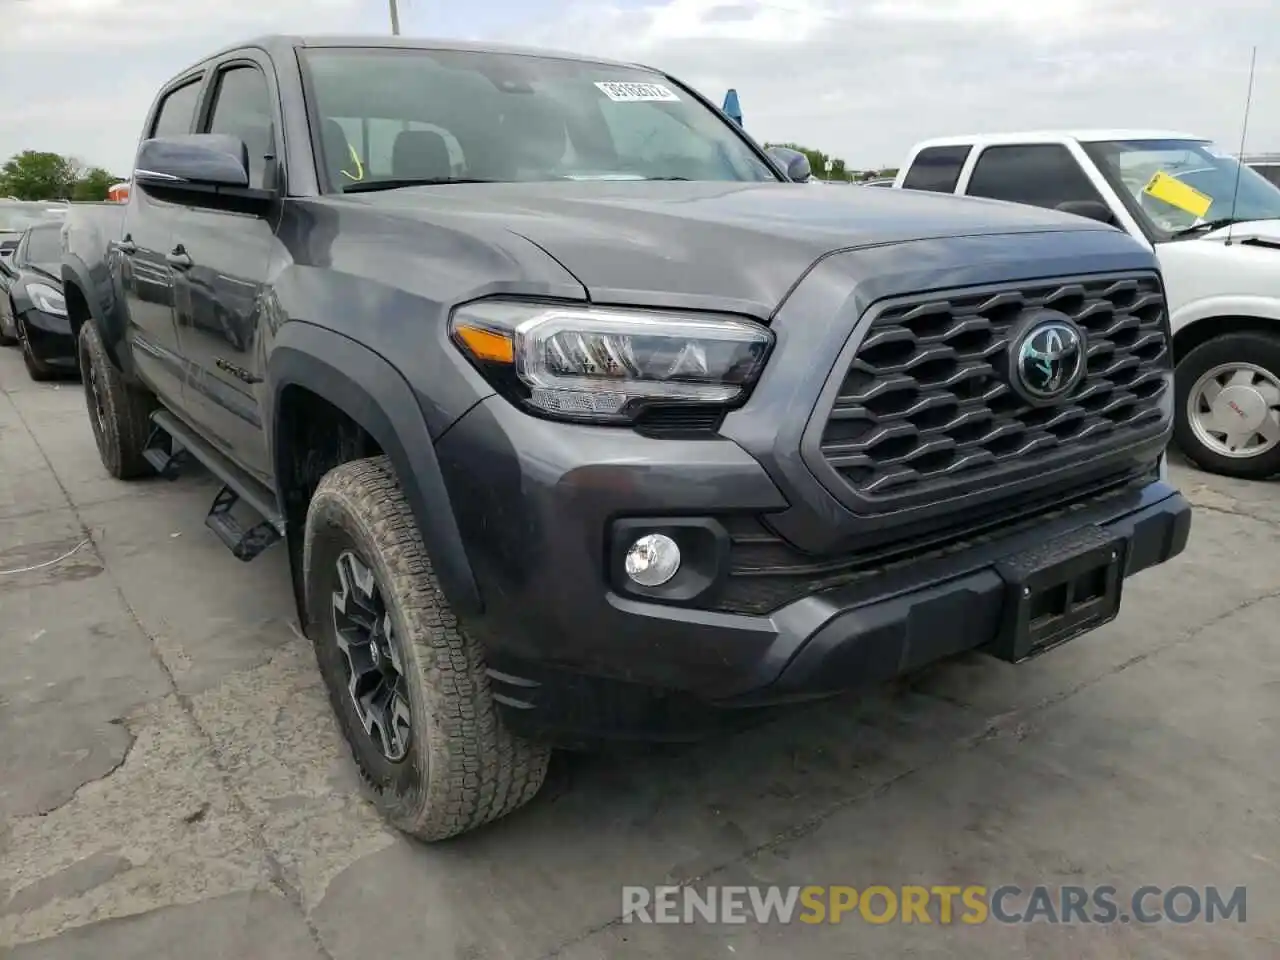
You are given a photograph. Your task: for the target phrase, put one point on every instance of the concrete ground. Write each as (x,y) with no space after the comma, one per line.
(172,784)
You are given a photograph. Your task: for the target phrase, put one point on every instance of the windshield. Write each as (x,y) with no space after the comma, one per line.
(17,215)
(44,245)
(415,115)
(1176,184)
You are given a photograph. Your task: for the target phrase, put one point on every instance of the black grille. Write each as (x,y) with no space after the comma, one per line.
(924,406)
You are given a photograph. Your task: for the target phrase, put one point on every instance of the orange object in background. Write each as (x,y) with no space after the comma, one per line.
(118,193)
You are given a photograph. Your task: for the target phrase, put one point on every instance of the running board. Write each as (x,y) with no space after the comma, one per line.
(165,454)
(259,523)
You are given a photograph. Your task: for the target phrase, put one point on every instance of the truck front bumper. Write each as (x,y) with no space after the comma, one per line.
(574,654)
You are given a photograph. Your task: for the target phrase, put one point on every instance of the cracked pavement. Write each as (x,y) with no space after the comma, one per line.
(172,784)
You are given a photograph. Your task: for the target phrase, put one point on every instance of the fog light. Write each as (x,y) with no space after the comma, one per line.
(653,560)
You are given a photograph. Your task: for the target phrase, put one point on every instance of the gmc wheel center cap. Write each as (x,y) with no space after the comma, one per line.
(1245,403)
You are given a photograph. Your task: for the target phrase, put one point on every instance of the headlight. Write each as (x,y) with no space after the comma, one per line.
(606,365)
(47,299)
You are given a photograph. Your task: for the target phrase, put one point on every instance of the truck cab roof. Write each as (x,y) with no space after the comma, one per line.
(279,43)
(1057,136)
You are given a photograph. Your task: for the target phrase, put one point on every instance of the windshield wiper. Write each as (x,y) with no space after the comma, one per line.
(1207,226)
(368,186)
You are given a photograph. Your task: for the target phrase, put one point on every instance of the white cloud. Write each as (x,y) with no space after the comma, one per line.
(861,78)
(94,26)
(867,78)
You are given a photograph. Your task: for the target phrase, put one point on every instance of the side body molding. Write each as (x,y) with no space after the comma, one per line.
(372,392)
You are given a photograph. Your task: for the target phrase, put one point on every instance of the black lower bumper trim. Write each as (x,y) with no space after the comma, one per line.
(879,641)
(866,644)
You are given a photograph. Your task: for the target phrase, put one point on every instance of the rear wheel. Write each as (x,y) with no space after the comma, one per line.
(120,414)
(37,369)
(1228,405)
(408,686)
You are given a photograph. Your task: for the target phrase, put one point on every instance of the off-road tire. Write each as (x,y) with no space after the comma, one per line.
(37,369)
(1258,348)
(121,432)
(463,768)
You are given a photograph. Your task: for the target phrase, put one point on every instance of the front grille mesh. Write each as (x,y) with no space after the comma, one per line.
(924,405)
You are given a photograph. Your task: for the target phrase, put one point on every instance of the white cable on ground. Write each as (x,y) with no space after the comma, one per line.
(47,563)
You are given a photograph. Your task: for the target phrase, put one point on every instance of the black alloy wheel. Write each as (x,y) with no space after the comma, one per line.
(365,636)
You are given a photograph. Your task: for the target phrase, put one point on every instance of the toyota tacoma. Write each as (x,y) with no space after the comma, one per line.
(581,422)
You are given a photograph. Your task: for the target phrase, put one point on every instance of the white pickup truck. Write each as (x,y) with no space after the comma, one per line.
(1215,228)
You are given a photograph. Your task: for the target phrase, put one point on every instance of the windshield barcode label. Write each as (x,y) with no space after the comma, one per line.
(621,92)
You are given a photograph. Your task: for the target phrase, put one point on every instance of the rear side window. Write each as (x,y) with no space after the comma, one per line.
(936,169)
(242,109)
(1270,171)
(177,111)
(1040,174)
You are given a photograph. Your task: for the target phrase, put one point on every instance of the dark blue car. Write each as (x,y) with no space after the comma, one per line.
(32,310)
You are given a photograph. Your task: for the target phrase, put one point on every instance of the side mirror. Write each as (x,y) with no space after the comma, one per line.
(793,162)
(1092,209)
(197,161)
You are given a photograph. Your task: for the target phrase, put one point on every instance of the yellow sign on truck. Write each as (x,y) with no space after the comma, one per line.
(1171,190)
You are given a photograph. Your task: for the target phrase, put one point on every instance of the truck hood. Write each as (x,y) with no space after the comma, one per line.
(729,245)
(1263,231)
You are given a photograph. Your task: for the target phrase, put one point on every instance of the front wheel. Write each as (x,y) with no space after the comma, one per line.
(1227,418)
(37,369)
(8,330)
(407,684)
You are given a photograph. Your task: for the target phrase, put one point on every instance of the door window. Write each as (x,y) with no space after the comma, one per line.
(177,111)
(936,169)
(1039,174)
(242,109)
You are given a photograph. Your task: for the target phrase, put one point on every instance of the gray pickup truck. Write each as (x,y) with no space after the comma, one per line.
(580,421)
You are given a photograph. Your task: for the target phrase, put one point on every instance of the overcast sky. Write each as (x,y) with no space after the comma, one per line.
(862,79)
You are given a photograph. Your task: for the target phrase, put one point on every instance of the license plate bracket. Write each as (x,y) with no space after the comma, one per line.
(1059,590)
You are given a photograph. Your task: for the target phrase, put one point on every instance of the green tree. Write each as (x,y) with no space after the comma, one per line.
(36,175)
(93,184)
(818,161)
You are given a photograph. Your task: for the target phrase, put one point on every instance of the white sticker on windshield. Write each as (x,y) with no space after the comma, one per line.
(629,92)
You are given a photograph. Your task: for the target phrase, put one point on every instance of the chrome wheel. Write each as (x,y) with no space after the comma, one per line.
(375,677)
(1234,410)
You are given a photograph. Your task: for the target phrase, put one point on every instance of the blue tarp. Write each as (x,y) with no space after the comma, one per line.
(731,108)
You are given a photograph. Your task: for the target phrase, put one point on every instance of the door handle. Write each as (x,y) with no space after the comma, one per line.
(127,246)
(178,258)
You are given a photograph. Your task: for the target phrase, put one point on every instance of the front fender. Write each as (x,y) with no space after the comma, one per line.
(19,297)
(1227,305)
(369,390)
